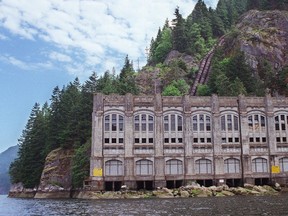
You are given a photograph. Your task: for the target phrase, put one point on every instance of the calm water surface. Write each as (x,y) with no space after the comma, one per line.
(224,206)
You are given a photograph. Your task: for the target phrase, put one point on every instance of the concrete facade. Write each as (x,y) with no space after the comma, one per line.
(156,141)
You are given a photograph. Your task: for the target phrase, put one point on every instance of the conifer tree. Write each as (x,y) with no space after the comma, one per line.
(126,82)
(29,165)
(179,32)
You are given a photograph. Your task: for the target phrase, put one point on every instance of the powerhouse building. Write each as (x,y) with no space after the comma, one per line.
(146,142)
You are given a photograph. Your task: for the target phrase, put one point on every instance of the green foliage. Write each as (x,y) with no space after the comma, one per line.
(28,167)
(171,90)
(176,88)
(203,90)
(267,4)
(81,164)
(179,32)
(65,123)
(126,83)
(232,76)
(163,46)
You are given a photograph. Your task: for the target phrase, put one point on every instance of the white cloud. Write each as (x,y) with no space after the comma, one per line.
(13,61)
(25,65)
(59,57)
(95,28)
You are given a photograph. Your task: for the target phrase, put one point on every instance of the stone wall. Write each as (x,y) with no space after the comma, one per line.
(238,144)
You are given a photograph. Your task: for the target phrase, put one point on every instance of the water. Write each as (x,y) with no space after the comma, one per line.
(216,206)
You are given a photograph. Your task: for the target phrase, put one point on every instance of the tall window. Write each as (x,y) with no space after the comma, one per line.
(144,167)
(143,128)
(284,164)
(113,168)
(114,128)
(203,166)
(232,165)
(201,128)
(259,165)
(281,127)
(174,167)
(230,128)
(173,128)
(257,128)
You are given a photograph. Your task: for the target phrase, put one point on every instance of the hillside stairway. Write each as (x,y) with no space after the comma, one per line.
(204,69)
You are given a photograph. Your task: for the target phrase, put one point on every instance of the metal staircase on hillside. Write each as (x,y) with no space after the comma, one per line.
(204,69)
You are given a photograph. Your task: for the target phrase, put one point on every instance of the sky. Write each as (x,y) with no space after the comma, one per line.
(48,43)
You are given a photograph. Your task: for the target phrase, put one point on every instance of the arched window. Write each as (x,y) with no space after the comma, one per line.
(174,167)
(113,168)
(284,164)
(201,128)
(114,128)
(259,165)
(203,166)
(230,128)
(232,165)
(144,128)
(281,127)
(144,167)
(257,128)
(173,128)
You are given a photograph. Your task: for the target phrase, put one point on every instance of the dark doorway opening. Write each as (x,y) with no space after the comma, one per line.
(145,185)
(261,181)
(233,182)
(205,182)
(174,184)
(113,185)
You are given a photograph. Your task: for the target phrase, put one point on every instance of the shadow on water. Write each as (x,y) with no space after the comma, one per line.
(224,206)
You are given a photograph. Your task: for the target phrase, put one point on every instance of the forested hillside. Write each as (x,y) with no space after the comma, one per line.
(66,122)
(172,65)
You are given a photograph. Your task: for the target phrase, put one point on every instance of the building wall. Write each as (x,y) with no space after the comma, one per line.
(207,129)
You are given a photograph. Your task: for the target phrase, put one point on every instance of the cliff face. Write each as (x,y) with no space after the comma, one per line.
(263,35)
(56,178)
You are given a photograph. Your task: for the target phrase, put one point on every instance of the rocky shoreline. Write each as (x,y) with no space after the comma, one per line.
(184,192)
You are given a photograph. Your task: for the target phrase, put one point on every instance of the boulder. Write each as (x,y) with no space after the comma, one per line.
(184,194)
(227,193)
(249,186)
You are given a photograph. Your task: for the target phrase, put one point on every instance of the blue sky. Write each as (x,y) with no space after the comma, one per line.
(47,43)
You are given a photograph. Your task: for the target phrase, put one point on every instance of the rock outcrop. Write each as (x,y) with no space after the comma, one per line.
(56,179)
(263,35)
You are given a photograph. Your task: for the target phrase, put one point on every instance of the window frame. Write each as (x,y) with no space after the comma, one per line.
(201,163)
(144,167)
(173,128)
(144,126)
(174,167)
(257,168)
(232,165)
(114,165)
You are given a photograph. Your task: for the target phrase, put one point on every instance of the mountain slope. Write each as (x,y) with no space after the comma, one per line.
(6,158)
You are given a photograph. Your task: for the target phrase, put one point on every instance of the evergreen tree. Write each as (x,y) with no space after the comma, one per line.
(29,165)
(179,32)
(126,82)
(164,46)
(107,83)
(53,121)
(70,115)
(81,164)
(86,107)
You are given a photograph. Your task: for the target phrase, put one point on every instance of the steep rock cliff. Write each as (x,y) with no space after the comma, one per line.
(263,35)
(56,178)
